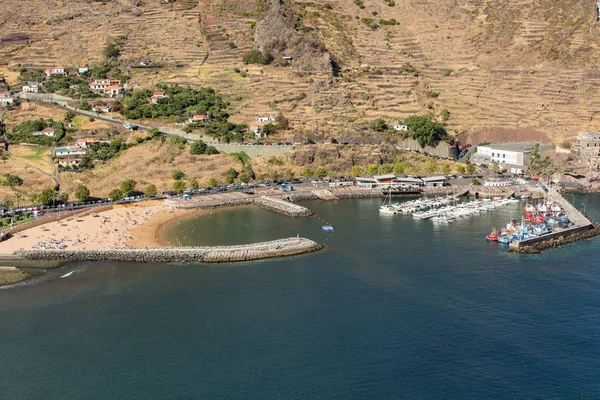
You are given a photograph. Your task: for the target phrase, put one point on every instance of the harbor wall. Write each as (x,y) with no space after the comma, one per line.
(553,240)
(281,206)
(217,254)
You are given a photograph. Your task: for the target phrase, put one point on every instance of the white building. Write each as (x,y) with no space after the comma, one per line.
(434,181)
(5,99)
(55,71)
(513,157)
(265,119)
(500,182)
(31,87)
(45,132)
(401,128)
(256,131)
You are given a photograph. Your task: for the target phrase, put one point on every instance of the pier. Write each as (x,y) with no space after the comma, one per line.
(216,254)
(581,229)
(281,206)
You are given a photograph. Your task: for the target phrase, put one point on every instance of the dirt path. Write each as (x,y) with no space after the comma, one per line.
(53,176)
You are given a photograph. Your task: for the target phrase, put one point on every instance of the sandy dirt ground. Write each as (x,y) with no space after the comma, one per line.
(120,227)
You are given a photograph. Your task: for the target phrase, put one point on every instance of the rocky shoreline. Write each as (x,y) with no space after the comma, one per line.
(217,254)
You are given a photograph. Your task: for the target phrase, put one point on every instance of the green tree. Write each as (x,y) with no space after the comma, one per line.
(244,177)
(470,168)
(288,174)
(231,175)
(82,193)
(426,131)
(399,169)
(494,167)
(150,190)
(321,172)
(139,140)
(198,147)
(356,170)
(385,169)
(195,185)
(273,175)
(446,169)
(128,186)
(111,51)
(269,129)
(461,169)
(179,186)
(210,150)
(256,57)
(379,125)
(372,169)
(12,180)
(115,195)
(213,181)
(306,172)
(69,116)
(475,182)
(177,175)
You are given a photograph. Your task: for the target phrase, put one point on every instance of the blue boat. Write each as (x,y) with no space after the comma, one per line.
(504,239)
(327,228)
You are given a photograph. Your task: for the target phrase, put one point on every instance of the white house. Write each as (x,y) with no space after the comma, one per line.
(70,151)
(400,127)
(45,132)
(256,131)
(5,98)
(105,108)
(157,96)
(31,87)
(199,119)
(265,119)
(83,70)
(55,71)
(107,86)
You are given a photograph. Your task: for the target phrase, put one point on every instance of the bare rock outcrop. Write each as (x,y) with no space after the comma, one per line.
(276,33)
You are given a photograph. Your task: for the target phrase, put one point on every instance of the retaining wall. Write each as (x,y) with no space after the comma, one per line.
(218,254)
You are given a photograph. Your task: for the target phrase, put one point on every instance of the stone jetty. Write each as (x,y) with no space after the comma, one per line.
(217,254)
(281,206)
(581,229)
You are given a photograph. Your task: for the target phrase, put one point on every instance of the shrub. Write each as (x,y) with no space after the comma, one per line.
(177,174)
(256,57)
(210,150)
(194,185)
(198,147)
(447,72)
(388,22)
(12,180)
(360,4)
(115,195)
(445,114)
(150,190)
(379,125)
(213,181)
(179,186)
(128,186)
(82,193)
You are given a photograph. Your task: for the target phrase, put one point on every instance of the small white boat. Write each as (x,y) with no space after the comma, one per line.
(67,274)
(387,210)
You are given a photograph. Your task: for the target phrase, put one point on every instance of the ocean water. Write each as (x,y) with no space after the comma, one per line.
(392,308)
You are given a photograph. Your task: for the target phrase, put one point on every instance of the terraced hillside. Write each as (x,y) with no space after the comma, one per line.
(510,64)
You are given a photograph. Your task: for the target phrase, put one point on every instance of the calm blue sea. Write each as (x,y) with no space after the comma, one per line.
(393,308)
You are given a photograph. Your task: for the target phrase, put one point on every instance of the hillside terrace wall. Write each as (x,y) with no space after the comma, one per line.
(217,254)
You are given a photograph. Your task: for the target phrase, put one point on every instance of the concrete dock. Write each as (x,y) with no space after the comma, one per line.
(581,229)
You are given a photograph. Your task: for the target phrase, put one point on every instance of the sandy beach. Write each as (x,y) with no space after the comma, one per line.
(138,225)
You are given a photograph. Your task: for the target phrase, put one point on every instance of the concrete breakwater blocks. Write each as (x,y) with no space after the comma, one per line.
(281,206)
(217,254)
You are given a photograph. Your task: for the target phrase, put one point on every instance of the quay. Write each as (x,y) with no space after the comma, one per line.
(217,254)
(581,229)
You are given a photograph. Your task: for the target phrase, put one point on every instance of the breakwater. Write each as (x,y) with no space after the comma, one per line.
(281,206)
(581,229)
(217,254)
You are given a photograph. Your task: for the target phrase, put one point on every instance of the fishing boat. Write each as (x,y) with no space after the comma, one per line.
(327,228)
(493,236)
(504,239)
